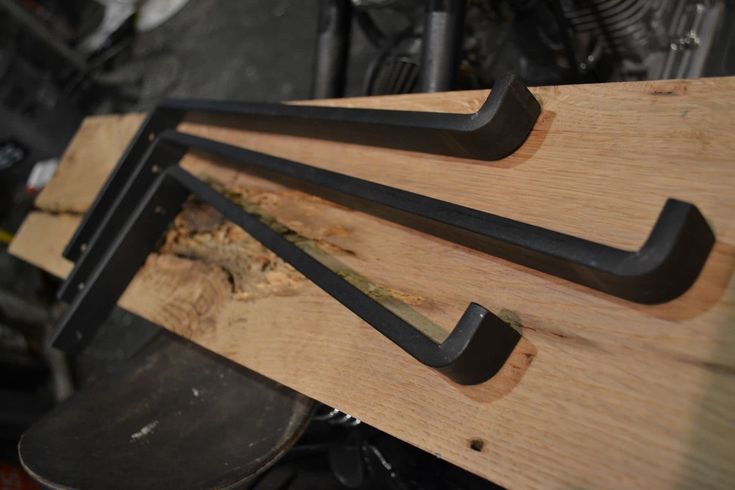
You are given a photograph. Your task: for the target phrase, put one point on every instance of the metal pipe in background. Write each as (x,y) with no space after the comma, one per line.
(332,49)
(443,29)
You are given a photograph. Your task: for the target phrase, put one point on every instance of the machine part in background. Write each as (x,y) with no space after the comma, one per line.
(333,416)
(337,456)
(174,416)
(651,39)
(544,42)
(442,42)
(395,68)
(692,32)
(394,75)
(332,49)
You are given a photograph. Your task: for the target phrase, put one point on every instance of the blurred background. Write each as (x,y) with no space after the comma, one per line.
(63,60)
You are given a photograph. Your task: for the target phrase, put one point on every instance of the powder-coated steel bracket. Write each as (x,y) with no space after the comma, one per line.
(666,266)
(500,126)
(474,351)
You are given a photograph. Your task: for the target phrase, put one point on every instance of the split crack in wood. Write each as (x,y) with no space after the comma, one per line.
(200,233)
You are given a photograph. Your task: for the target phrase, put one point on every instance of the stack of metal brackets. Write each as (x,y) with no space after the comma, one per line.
(121,228)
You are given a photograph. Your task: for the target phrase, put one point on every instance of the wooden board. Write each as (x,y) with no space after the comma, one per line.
(600,393)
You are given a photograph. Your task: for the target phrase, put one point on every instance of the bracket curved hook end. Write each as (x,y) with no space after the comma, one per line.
(478,347)
(503,122)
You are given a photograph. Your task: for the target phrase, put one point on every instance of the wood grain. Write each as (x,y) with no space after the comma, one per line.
(600,393)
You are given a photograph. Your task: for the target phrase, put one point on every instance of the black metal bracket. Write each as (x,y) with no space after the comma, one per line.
(666,266)
(475,350)
(500,126)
